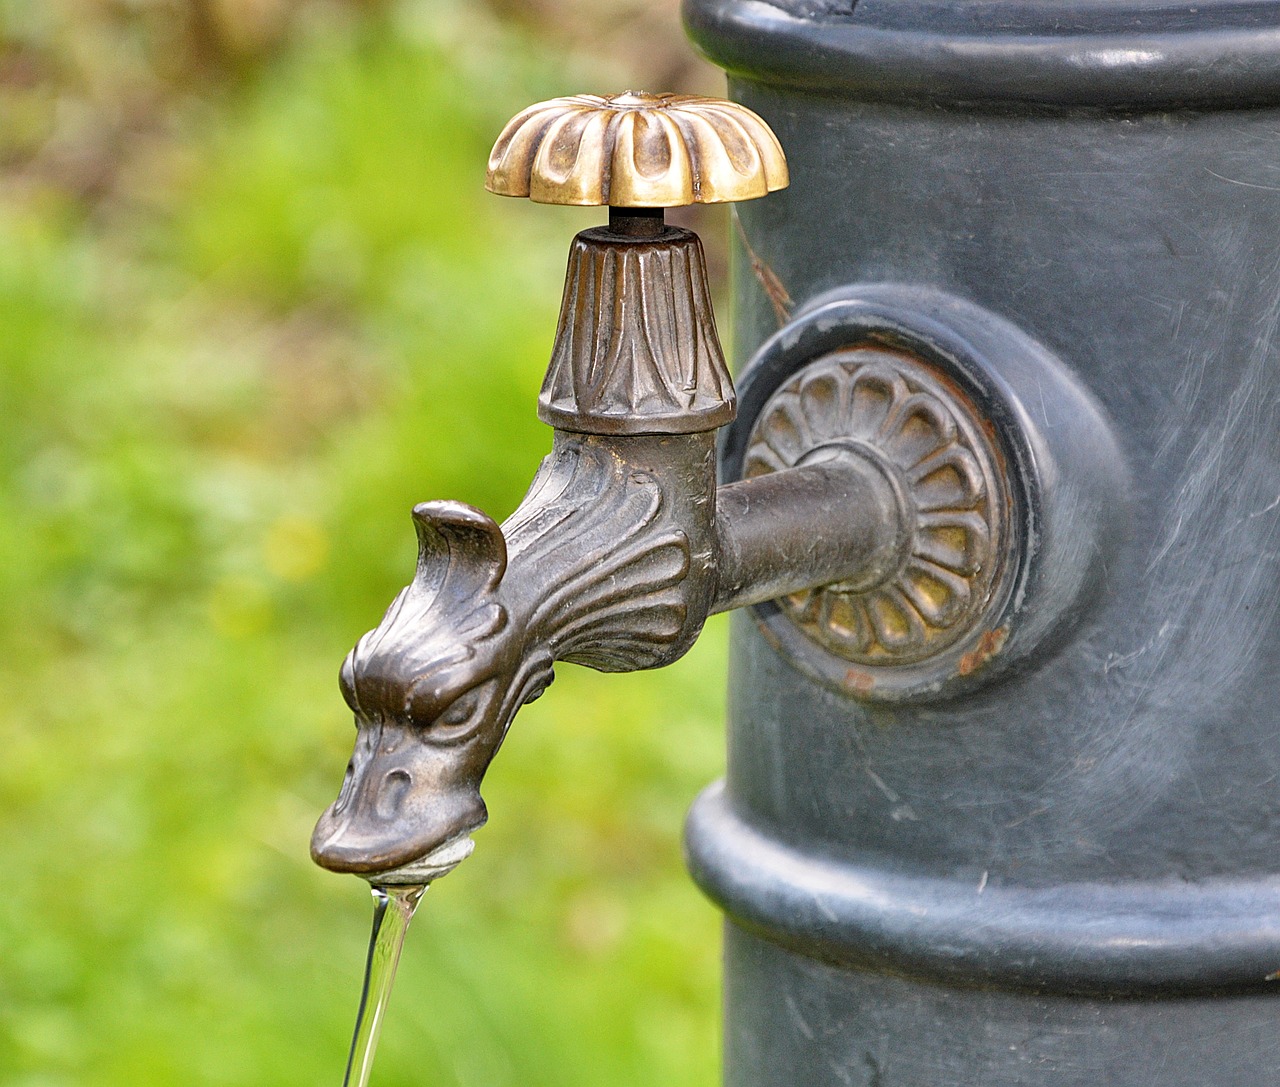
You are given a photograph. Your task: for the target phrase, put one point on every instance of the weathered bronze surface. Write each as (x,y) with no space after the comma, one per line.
(614,560)
(868,475)
(607,563)
(636,350)
(950,569)
(622,547)
(636,150)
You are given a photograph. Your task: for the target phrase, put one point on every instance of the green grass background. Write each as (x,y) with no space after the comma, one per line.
(239,338)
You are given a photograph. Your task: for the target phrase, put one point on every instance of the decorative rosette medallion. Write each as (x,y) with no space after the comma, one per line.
(927,438)
(636,150)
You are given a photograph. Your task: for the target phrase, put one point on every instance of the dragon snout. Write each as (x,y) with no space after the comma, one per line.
(399,801)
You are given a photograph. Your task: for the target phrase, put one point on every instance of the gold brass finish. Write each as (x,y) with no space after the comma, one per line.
(636,150)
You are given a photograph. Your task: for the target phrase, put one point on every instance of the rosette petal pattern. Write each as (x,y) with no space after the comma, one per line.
(636,150)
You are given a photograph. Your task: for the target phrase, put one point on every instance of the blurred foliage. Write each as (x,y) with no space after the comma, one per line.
(254,303)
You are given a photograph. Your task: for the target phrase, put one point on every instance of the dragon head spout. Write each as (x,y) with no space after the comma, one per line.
(433,688)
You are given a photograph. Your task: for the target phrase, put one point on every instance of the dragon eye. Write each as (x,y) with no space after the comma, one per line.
(457,720)
(461,710)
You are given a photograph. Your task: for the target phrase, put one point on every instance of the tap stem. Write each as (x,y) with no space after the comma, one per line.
(637,222)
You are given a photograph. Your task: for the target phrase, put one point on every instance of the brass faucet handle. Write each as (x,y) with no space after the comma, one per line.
(636,150)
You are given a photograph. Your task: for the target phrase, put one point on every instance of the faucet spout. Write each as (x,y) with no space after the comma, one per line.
(608,562)
(620,550)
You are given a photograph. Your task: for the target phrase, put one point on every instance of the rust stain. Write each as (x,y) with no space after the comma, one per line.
(860,682)
(988,646)
(776,290)
(770,635)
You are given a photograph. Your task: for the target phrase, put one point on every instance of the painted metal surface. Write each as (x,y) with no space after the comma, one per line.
(1067,874)
(1111,54)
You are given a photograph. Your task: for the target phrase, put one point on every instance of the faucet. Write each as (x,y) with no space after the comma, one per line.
(624,543)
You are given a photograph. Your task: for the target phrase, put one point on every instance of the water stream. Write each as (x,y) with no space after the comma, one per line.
(393,908)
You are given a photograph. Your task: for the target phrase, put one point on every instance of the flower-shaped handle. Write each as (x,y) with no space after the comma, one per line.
(636,150)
